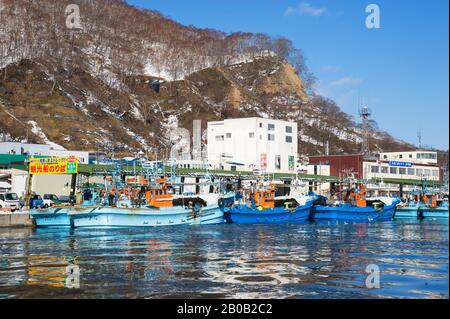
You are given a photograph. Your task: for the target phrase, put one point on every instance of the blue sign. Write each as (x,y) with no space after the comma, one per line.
(402,164)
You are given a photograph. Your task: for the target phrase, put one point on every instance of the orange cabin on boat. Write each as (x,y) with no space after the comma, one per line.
(358,198)
(137,180)
(159,197)
(265,198)
(430,200)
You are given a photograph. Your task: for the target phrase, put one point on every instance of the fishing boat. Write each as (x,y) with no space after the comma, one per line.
(432,207)
(356,207)
(51,217)
(58,215)
(159,208)
(408,210)
(262,207)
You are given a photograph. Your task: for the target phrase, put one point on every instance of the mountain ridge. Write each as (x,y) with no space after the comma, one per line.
(88,90)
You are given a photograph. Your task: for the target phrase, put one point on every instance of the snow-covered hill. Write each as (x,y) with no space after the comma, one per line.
(88,88)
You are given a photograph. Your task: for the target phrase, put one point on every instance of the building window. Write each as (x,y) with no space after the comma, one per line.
(288,139)
(219,138)
(277,162)
(402,171)
(410,171)
(384,169)
(228,135)
(291,164)
(435,173)
(410,155)
(374,169)
(393,170)
(385,156)
(271,137)
(271,127)
(401,156)
(288,129)
(426,156)
(426,172)
(260,124)
(251,135)
(419,171)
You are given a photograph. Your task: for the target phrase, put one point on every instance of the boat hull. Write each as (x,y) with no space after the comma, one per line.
(241,214)
(353,214)
(51,217)
(407,212)
(437,212)
(112,217)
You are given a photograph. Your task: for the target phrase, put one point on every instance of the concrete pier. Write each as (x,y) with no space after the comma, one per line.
(16,219)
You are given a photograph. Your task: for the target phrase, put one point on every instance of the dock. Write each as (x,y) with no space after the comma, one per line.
(19,219)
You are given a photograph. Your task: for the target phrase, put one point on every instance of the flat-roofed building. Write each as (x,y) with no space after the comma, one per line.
(252,144)
(417,157)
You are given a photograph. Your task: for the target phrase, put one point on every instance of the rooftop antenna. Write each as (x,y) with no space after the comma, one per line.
(419,136)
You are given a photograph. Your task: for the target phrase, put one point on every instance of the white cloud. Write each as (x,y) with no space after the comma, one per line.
(346,81)
(305,8)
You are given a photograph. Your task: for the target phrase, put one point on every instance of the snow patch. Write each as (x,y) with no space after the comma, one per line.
(35,129)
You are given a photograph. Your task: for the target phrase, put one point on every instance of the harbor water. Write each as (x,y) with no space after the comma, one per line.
(228,261)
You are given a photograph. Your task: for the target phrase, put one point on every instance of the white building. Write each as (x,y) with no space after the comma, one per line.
(415,165)
(322,170)
(417,157)
(400,170)
(252,143)
(41,150)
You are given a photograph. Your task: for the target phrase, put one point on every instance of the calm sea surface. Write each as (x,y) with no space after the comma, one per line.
(228,261)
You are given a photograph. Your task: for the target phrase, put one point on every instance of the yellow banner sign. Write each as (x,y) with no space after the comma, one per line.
(53,165)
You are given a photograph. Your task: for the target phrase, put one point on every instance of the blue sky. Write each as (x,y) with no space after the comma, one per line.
(399,70)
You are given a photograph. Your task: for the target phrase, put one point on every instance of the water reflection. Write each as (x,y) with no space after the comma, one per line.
(261,261)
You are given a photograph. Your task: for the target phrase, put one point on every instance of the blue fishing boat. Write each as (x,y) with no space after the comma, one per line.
(407,210)
(432,207)
(262,207)
(110,217)
(160,208)
(357,208)
(57,215)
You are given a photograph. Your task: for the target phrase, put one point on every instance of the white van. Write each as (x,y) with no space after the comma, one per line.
(10,200)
